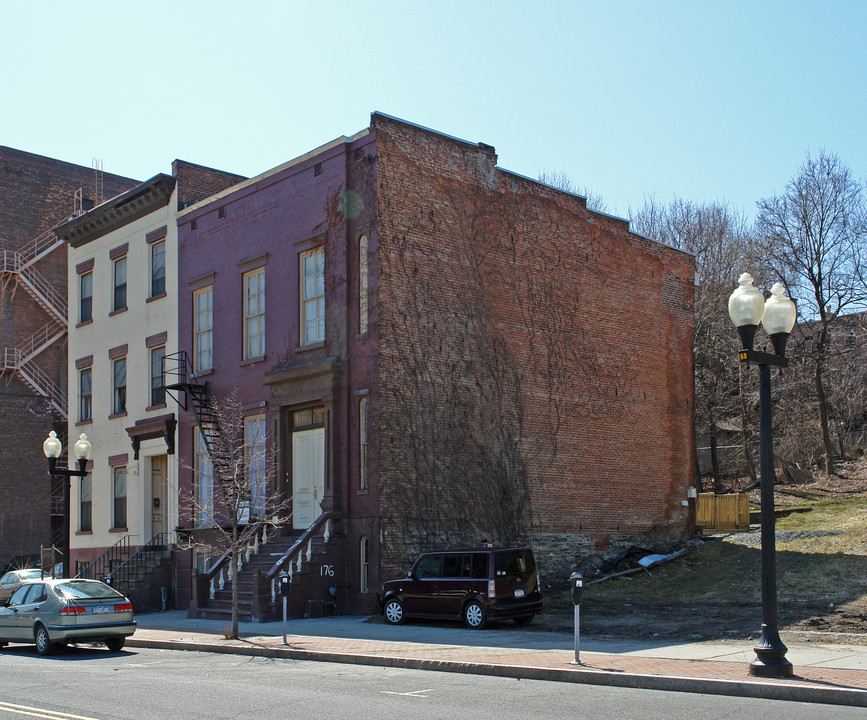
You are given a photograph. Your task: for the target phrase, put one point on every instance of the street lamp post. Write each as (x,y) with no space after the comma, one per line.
(747,308)
(82,449)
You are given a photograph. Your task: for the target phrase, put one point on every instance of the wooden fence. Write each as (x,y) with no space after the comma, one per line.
(723,512)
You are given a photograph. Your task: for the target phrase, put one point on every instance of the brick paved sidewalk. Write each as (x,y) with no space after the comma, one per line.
(811,683)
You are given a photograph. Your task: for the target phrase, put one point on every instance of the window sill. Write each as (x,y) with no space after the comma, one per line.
(117,312)
(202,373)
(254,360)
(84,422)
(156,297)
(118,530)
(311,346)
(158,406)
(84,532)
(117,415)
(83,323)
(365,491)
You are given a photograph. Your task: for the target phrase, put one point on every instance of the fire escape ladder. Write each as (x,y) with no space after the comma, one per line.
(178,376)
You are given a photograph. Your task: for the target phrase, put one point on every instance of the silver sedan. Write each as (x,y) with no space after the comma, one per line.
(54,613)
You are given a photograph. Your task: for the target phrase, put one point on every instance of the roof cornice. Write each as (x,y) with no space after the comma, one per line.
(117,212)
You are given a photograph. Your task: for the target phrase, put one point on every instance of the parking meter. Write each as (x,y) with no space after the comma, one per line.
(284,592)
(576,581)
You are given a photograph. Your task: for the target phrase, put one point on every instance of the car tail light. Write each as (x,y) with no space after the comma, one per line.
(492,589)
(123,607)
(72,610)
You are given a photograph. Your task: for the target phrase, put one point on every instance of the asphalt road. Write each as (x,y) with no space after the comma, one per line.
(140,684)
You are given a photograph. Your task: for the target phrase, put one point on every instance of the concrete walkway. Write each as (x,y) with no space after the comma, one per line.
(824,673)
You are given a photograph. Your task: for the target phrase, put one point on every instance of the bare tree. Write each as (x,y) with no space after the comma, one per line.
(562,181)
(232,500)
(815,235)
(719,238)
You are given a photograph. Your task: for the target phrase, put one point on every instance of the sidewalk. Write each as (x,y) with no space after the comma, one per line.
(824,673)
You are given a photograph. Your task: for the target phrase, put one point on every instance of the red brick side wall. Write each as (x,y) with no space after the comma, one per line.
(37,192)
(587,327)
(196,182)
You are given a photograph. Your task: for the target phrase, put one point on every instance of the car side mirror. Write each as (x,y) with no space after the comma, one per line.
(410,574)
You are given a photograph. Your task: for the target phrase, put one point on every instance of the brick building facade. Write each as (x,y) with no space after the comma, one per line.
(37,192)
(449,354)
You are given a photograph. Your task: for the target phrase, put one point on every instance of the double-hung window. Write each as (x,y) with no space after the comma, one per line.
(157,389)
(158,268)
(204,482)
(255,463)
(119,496)
(85,395)
(119,271)
(254,314)
(85,505)
(85,297)
(118,405)
(313,296)
(203,317)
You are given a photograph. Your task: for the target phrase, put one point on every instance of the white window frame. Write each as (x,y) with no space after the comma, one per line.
(204,470)
(203,322)
(255,463)
(312,288)
(254,314)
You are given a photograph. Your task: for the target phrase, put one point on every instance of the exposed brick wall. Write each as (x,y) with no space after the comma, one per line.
(37,192)
(196,182)
(24,484)
(492,280)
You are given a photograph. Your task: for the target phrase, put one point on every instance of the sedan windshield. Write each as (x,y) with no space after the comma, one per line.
(86,590)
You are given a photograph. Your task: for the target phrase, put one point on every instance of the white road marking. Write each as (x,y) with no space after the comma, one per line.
(40,712)
(414,693)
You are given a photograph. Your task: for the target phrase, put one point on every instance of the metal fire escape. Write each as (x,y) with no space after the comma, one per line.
(178,375)
(17,268)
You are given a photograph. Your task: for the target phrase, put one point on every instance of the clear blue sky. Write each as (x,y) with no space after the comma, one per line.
(705,100)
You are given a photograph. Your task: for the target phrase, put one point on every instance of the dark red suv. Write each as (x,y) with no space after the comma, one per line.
(476,585)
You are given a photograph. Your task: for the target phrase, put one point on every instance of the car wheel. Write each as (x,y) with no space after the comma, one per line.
(393,612)
(115,644)
(524,620)
(44,646)
(474,615)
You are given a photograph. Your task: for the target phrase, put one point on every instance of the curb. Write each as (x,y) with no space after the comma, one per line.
(795,692)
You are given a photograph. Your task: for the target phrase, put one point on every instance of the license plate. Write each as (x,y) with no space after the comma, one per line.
(519,592)
(103,610)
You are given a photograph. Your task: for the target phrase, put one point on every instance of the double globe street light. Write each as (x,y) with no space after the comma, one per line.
(52,447)
(748,308)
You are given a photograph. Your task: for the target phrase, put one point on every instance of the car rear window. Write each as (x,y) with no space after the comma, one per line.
(86,590)
(514,562)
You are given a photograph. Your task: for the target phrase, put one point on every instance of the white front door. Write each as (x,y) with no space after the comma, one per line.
(308,476)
